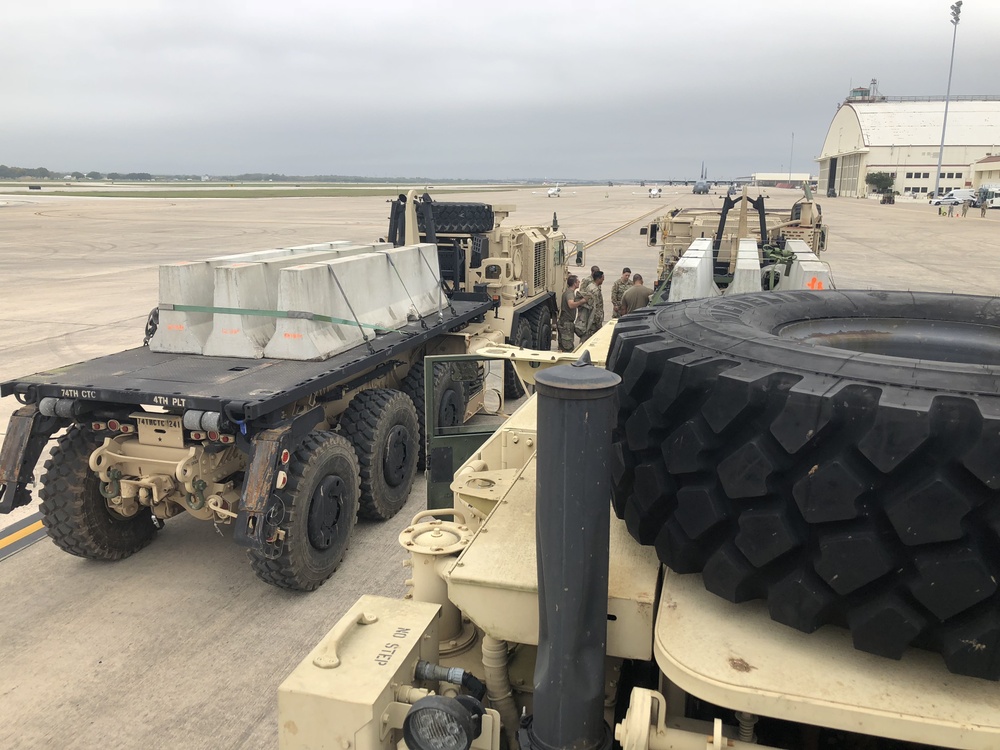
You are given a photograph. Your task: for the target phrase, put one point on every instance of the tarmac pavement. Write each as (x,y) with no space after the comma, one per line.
(181,645)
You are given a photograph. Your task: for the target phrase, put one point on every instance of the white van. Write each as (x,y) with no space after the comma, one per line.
(990,194)
(955,197)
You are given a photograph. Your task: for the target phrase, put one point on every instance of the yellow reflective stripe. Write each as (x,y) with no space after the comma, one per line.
(20,534)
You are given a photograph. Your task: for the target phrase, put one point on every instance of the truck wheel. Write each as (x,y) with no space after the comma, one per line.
(460,218)
(523,337)
(834,453)
(382,426)
(449,395)
(74,511)
(317,510)
(541,328)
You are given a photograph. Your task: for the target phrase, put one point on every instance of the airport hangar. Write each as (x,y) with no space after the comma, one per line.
(902,136)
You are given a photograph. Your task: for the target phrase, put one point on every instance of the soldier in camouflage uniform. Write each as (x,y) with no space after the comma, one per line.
(567,314)
(594,305)
(588,282)
(618,290)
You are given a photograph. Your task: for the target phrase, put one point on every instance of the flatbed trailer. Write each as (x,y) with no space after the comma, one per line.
(289,452)
(243,390)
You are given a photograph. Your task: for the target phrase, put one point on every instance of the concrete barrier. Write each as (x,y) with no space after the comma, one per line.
(808,271)
(253,286)
(311,288)
(192,284)
(416,270)
(746,277)
(694,275)
(186,283)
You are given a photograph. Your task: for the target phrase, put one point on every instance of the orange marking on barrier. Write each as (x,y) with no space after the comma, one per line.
(175,327)
(293,335)
(230,331)
(815,283)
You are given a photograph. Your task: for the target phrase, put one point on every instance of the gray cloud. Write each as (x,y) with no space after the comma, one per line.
(439,89)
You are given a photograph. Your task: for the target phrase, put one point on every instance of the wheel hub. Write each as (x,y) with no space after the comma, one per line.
(397,456)
(324,512)
(448,410)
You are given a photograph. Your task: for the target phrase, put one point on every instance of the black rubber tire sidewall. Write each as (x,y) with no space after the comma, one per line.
(301,566)
(75,513)
(367,422)
(523,337)
(843,487)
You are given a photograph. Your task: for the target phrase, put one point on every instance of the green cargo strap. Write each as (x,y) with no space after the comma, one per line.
(293,314)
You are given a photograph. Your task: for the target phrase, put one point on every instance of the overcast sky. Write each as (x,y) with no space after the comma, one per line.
(557,90)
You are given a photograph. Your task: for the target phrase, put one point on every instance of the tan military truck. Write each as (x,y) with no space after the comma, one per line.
(674,232)
(521,268)
(280,392)
(803,488)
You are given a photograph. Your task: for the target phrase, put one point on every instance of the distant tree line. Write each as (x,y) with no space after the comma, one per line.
(41,173)
(15,173)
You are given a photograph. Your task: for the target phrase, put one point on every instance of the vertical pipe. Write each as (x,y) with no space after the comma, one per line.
(947,97)
(575,412)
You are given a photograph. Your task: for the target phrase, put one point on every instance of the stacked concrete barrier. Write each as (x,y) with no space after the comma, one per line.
(694,274)
(192,284)
(746,277)
(364,294)
(252,286)
(807,271)
(416,267)
(364,289)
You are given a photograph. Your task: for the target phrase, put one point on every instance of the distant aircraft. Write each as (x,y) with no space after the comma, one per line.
(653,192)
(702,185)
(552,192)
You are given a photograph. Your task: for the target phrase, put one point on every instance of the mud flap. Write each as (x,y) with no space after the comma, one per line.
(23,444)
(253,529)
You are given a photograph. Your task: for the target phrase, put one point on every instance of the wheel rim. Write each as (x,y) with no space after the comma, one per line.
(448,410)
(937,340)
(398,456)
(324,511)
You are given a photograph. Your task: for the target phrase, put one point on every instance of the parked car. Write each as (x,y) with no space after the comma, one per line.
(954,198)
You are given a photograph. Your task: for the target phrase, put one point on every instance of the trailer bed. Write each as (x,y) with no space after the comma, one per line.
(238,387)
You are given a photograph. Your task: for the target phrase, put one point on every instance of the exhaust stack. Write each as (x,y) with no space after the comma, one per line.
(575,412)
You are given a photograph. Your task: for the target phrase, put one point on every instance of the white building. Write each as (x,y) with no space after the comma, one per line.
(902,136)
(770,179)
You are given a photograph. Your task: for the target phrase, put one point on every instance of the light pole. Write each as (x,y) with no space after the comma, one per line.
(790,152)
(956,12)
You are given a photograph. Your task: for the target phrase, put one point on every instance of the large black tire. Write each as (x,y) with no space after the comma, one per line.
(541,328)
(523,337)
(450,396)
(317,510)
(793,448)
(459,218)
(75,513)
(382,425)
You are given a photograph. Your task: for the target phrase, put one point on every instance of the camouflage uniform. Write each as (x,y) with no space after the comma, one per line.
(586,284)
(617,291)
(595,301)
(564,324)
